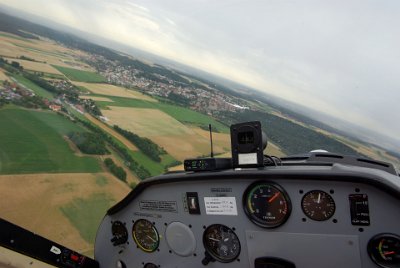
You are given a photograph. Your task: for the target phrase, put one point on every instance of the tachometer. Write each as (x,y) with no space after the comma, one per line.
(266,204)
(145,235)
(318,205)
(384,250)
(221,243)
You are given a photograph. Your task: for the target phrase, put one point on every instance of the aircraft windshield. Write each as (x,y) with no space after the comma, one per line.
(96,96)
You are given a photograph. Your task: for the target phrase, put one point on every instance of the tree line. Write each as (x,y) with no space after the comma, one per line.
(117,171)
(147,146)
(138,169)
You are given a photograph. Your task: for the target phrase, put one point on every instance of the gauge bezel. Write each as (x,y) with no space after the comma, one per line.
(311,217)
(119,224)
(370,248)
(255,219)
(154,229)
(212,253)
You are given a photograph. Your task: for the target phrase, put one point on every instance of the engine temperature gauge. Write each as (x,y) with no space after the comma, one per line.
(384,250)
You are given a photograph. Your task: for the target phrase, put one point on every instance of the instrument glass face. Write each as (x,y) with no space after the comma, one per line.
(145,235)
(318,205)
(384,250)
(119,232)
(221,243)
(267,204)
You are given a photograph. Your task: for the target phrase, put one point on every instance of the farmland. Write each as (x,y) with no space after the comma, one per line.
(33,143)
(181,114)
(179,140)
(95,98)
(44,51)
(58,197)
(80,75)
(3,77)
(111,90)
(145,122)
(36,66)
(30,85)
(112,132)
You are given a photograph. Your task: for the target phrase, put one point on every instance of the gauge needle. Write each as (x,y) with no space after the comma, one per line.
(389,253)
(319,198)
(213,239)
(151,238)
(273,197)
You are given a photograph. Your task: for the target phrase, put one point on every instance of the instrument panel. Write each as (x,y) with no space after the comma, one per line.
(254,219)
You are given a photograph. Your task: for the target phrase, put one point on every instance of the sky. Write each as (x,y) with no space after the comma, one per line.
(338,57)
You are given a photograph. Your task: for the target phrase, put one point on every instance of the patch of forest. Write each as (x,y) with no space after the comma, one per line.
(89,143)
(291,137)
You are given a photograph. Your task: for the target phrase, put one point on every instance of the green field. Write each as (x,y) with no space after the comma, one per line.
(80,76)
(31,142)
(86,214)
(153,167)
(181,114)
(29,84)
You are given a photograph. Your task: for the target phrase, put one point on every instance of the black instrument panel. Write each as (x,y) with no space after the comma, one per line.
(259,216)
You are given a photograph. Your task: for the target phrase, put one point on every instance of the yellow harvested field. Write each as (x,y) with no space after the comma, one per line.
(220,139)
(33,201)
(44,50)
(36,66)
(186,146)
(3,76)
(85,97)
(176,168)
(112,132)
(145,122)
(111,90)
(177,139)
(274,150)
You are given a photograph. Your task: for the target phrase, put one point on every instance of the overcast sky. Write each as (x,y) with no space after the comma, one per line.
(340,57)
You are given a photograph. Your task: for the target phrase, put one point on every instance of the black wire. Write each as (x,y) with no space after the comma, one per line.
(272,161)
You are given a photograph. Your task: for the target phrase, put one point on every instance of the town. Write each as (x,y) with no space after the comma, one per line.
(201,98)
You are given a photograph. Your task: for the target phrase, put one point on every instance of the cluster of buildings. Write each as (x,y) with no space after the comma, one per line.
(202,99)
(12,91)
(17,93)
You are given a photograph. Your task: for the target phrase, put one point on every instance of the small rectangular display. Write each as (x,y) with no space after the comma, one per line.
(359,209)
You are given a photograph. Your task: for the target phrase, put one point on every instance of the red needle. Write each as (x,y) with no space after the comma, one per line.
(273,197)
(389,253)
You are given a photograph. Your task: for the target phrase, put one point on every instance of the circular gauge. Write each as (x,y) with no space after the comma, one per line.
(145,235)
(384,250)
(221,243)
(266,204)
(119,232)
(318,205)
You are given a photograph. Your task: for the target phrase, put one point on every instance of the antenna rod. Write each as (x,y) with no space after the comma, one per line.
(212,152)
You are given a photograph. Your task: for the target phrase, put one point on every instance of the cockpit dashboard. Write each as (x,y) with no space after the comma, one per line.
(286,216)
